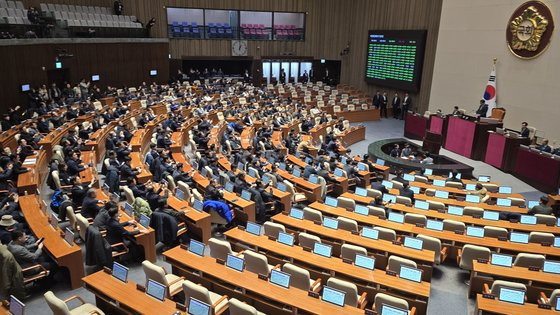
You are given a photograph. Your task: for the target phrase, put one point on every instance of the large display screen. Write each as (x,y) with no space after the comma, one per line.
(394,58)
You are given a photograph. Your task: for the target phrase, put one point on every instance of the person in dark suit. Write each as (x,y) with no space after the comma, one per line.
(383,105)
(116,233)
(305,76)
(119,7)
(396,105)
(282,76)
(524,132)
(544,147)
(377,99)
(74,165)
(90,206)
(127,171)
(482,109)
(406,191)
(406,104)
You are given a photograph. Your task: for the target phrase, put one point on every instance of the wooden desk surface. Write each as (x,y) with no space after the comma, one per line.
(482,205)
(334,264)
(520,274)
(249,281)
(457,191)
(201,220)
(126,294)
(424,256)
(498,307)
(465,218)
(450,236)
(65,255)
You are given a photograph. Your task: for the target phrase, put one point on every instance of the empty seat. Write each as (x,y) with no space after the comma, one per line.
(386,299)
(376,211)
(434,244)
(540,237)
(386,234)
(300,278)
(529,260)
(307,240)
(468,253)
(237,307)
(498,284)
(219,303)
(452,225)
(374,193)
(413,218)
(395,263)
(404,200)
(546,219)
(346,203)
(219,249)
(59,306)
(157,273)
(473,211)
(351,298)
(495,232)
(517,202)
(257,263)
(349,251)
(347,224)
(436,205)
(312,214)
(272,229)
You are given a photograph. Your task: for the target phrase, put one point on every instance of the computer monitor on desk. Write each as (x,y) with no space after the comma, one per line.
(511,295)
(197,307)
(156,290)
(391,310)
(120,272)
(333,296)
(16,306)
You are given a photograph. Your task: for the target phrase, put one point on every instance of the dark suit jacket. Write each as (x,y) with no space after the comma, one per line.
(482,110)
(396,101)
(74,167)
(407,192)
(525,132)
(116,232)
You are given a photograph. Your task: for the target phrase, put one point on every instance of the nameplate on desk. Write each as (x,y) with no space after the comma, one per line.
(477,216)
(534,268)
(108,270)
(220,261)
(272,238)
(420,225)
(547,244)
(502,238)
(234,200)
(488,296)
(317,222)
(513,221)
(263,277)
(381,217)
(349,210)
(181,307)
(545,306)
(459,232)
(347,261)
(355,232)
(307,249)
(395,242)
(184,246)
(313,294)
(241,227)
(140,287)
(482,260)
(391,273)
(369,312)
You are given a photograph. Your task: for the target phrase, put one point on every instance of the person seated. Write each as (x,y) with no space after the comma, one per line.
(542,207)
(116,233)
(406,151)
(406,191)
(428,159)
(480,191)
(28,255)
(395,152)
(524,132)
(90,204)
(544,147)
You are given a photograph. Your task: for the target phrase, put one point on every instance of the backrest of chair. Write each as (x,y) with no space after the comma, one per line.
(299,277)
(376,211)
(454,185)
(413,218)
(193,290)
(421,179)
(395,263)
(382,298)
(430,192)
(404,200)
(153,272)
(349,251)
(171,182)
(347,224)
(545,219)
(490,187)
(219,249)
(71,218)
(346,203)
(56,179)
(272,229)
(473,211)
(83,225)
(472,252)
(495,232)
(237,307)
(517,202)
(307,240)
(498,113)
(128,194)
(433,244)
(351,297)
(452,225)
(386,234)
(554,298)
(312,214)
(529,260)
(57,306)
(498,284)
(271,177)
(540,237)
(397,184)
(255,262)
(373,193)
(323,184)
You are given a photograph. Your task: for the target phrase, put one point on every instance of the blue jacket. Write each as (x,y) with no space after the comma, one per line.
(221,208)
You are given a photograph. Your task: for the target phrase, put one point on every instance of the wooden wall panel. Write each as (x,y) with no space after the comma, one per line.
(330,24)
(117,63)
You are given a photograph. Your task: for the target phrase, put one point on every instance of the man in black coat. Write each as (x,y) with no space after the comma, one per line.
(482,109)
(406,104)
(90,204)
(377,99)
(406,191)
(396,105)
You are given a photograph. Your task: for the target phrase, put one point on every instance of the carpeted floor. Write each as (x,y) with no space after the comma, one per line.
(448,292)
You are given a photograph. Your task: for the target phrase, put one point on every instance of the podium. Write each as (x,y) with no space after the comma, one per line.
(415,126)
(467,137)
(432,142)
(537,169)
(501,150)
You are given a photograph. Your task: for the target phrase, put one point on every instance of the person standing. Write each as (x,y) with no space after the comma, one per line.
(377,99)
(383,105)
(524,130)
(396,106)
(282,76)
(406,103)
(119,7)
(482,109)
